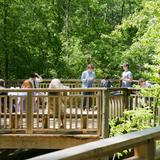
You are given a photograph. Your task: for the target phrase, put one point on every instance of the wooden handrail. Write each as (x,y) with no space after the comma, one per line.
(72,82)
(67,89)
(142,141)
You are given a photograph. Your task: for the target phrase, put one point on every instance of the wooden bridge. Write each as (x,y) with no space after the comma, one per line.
(27,122)
(33,122)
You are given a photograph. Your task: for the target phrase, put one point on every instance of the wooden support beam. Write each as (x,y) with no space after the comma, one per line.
(145,151)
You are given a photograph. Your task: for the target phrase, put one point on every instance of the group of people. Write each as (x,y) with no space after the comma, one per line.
(88,78)
(32,82)
(53,102)
(126,79)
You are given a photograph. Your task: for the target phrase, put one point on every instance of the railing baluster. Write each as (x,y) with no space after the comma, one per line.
(76,112)
(29,111)
(65,108)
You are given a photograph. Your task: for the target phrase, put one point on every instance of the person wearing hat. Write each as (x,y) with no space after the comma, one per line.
(35,79)
(126,76)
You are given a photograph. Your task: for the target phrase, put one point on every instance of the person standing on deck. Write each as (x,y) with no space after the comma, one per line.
(126,76)
(87,79)
(144,83)
(56,102)
(23,96)
(35,79)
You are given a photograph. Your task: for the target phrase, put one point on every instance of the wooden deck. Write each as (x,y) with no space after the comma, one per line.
(41,128)
(37,127)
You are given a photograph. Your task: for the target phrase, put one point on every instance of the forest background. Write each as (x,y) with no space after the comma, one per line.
(58,38)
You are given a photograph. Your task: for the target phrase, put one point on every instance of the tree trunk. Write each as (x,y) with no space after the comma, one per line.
(5,48)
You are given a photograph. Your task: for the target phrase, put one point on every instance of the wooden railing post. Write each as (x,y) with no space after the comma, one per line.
(29,109)
(105,117)
(105,113)
(84,118)
(126,98)
(45,121)
(145,151)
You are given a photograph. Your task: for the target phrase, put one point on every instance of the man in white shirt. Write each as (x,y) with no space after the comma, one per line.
(126,76)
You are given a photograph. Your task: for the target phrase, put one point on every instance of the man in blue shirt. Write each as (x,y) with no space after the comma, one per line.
(87,79)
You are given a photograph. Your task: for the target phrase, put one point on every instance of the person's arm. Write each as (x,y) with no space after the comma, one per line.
(84,77)
(127,79)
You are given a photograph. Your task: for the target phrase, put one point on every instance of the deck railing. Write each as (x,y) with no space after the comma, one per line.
(27,110)
(72,83)
(143,142)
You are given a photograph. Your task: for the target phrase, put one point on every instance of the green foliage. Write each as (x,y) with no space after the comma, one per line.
(138,40)
(154,91)
(140,118)
(62,37)
(133,120)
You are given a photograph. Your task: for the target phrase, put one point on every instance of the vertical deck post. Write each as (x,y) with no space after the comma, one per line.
(105,113)
(29,109)
(125,98)
(13,121)
(45,121)
(145,151)
(105,117)
(84,121)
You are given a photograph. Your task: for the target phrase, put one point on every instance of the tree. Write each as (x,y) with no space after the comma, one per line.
(141,31)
